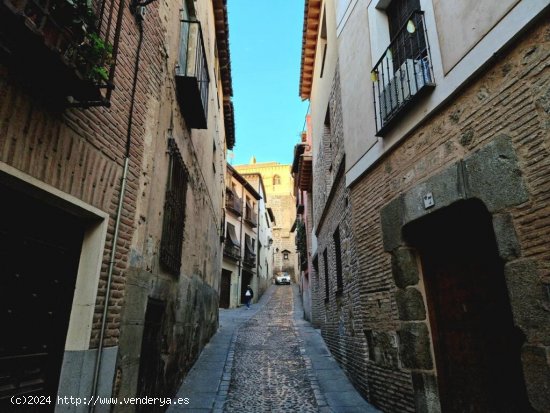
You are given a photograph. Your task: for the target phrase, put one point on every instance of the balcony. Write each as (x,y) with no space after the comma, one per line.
(192,76)
(232,246)
(63,50)
(251,218)
(231,251)
(249,258)
(302,167)
(233,203)
(403,74)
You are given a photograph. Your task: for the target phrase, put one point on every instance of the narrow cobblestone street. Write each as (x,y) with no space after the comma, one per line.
(269,372)
(268,359)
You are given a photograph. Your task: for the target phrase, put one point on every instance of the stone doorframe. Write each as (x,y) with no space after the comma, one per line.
(492,175)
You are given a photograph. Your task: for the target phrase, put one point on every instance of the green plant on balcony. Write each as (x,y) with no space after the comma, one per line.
(90,53)
(93,57)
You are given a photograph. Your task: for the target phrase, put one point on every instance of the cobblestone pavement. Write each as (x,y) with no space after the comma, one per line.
(269,373)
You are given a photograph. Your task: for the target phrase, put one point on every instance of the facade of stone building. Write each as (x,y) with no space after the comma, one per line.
(264,248)
(107,148)
(279,189)
(246,254)
(430,199)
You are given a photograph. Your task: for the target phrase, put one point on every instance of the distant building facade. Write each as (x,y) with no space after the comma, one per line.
(247,240)
(429,125)
(266,222)
(279,187)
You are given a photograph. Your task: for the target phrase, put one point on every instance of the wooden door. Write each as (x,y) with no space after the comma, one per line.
(225,289)
(477,347)
(39,254)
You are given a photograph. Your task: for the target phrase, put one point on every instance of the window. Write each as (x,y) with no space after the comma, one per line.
(399,11)
(192,78)
(276,180)
(338,256)
(325,262)
(323,42)
(174,212)
(285,255)
(328,151)
(404,69)
(250,253)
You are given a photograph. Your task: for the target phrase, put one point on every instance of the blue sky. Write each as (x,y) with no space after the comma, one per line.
(266,43)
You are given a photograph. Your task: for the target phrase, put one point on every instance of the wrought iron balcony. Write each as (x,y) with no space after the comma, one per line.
(251,218)
(249,259)
(192,77)
(233,203)
(403,73)
(64,49)
(231,251)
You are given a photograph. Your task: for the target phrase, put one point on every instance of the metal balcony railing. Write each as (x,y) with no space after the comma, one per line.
(192,77)
(403,72)
(233,203)
(65,49)
(232,251)
(249,259)
(251,218)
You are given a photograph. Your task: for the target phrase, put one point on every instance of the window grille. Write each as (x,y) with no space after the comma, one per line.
(174,212)
(338,256)
(325,262)
(403,73)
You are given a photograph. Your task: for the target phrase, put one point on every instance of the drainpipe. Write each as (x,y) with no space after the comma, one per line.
(123,184)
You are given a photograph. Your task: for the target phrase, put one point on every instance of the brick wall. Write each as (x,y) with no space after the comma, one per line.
(80,151)
(341,316)
(511,97)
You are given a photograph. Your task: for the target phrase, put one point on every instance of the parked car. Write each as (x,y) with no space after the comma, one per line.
(282,278)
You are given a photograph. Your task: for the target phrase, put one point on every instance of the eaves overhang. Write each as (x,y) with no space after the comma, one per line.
(312,15)
(222,44)
(305,172)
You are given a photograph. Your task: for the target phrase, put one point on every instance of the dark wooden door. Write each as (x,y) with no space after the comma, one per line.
(476,345)
(39,254)
(225,289)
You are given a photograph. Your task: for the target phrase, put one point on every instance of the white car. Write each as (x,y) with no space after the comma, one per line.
(282,278)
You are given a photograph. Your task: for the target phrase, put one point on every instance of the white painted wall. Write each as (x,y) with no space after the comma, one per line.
(320,90)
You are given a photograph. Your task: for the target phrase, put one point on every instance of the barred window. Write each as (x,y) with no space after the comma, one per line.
(174,212)
(338,256)
(325,262)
